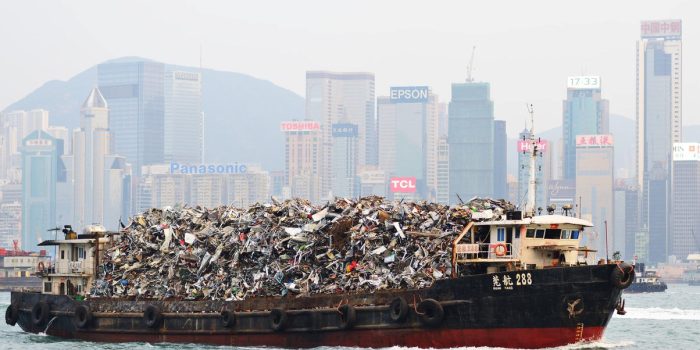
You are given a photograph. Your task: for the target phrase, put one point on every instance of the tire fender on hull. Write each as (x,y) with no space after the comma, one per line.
(430,312)
(40,313)
(152,317)
(398,309)
(12,314)
(622,276)
(228,318)
(82,316)
(348,316)
(278,319)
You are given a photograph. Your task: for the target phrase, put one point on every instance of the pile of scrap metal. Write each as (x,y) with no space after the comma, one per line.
(230,253)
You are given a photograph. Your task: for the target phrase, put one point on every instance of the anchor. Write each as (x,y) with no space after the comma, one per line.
(620,307)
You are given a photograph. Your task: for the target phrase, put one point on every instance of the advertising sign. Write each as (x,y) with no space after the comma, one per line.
(403,184)
(561,191)
(409,94)
(344,130)
(199,169)
(686,151)
(594,140)
(525,146)
(667,29)
(38,142)
(300,126)
(583,82)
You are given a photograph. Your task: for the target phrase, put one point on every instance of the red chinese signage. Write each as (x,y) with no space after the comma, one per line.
(594,140)
(300,126)
(661,29)
(402,184)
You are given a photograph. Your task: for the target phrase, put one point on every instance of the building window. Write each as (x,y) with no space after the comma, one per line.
(47,287)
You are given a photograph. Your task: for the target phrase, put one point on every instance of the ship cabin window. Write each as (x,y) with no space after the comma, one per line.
(530,233)
(47,287)
(516,232)
(552,234)
(539,233)
(501,234)
(574,234)
(63,254)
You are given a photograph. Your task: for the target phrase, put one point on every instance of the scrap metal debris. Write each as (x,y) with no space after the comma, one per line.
(281,248)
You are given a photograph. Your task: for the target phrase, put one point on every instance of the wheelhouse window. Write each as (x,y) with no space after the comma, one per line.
(574,234)
(530,233)
(501,234)
(552,234)
(565,234)
(539,233)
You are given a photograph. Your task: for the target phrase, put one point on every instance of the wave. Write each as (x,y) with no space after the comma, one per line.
(657,313)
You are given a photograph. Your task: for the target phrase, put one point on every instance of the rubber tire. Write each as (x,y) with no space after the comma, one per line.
(398,309)
(12,315)
(82,316)
(431,312)
(152,317)
(228,318)
(348,316)
(40,313)
(278,319)
(622,279)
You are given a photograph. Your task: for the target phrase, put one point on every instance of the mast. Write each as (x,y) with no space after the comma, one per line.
(532,186)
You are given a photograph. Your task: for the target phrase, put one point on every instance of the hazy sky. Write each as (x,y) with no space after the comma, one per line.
(525,49)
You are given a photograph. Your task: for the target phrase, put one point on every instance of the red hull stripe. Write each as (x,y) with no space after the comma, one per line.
(524,338)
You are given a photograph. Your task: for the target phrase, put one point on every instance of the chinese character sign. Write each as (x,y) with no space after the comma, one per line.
(669,29)
(604,140)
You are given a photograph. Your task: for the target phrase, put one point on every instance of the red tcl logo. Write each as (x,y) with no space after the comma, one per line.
(403,184)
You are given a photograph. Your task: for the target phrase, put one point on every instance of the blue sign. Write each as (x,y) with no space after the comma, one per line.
(344,130)
(200,169)
(409,94)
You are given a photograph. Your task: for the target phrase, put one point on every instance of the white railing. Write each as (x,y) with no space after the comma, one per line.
(473,251)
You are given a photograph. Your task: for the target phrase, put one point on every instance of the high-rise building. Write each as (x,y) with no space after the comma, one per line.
(443,171)
(62,133)
(500,160)
(10,224)
(594,189)
(685,223)
(134,91)
(631,228)
(303,159)
(39,177)
(659,122)
(585,113)
(16,125)
(163,187)
(345,158)
(247,188)
(407,124)
(101,179)
(543,165)
(332,98)
(207,190)
(373,182)
(470,138)
(183,121)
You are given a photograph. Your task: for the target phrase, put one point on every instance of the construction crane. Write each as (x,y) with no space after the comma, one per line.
(470,67)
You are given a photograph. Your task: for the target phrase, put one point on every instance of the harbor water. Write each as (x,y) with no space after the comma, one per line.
(666,320)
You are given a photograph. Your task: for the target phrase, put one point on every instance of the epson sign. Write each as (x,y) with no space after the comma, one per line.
(409,94)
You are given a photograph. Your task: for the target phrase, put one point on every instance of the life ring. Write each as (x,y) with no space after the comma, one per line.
(82,316)
(40,267)
(348,316)
(500,249)
(398,309)
(40,313)
(278,319)
(622,276)
(430,312)
(228,318)
(152,316)
(12,314)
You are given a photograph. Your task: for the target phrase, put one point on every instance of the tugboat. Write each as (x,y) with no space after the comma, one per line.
(647,281)
(520,281)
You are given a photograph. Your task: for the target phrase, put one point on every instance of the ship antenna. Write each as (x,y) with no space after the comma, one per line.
(531,188)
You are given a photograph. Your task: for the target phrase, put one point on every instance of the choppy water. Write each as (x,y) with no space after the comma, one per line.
(669,320)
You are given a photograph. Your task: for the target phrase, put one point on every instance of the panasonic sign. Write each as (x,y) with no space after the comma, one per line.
(409,94)
(201,169)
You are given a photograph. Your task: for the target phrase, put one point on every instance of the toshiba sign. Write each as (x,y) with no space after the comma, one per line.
(300,126)
(403,184)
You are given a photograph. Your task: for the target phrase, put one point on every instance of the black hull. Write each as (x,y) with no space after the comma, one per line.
(550,307)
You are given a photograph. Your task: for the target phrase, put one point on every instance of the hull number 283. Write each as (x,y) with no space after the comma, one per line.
(506,282)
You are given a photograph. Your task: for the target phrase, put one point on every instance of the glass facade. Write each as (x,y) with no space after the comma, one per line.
(183,121)
(470,140)
(585,113)
(39,177)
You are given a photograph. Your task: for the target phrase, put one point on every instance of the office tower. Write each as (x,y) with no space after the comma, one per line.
(500,160)
(39,176)
(207,190)
(443,124)
(342,98)
(134,91)
(543,164)
(183,120)
(162,187)
(594,188)
(407,123)
(248,188)
(470,138)
(585,113)
(345,159)
(102,179)
(16,125)
(62,133)
(10,224)
(631,220)
(373,182)
(659,121)
(685,222)
(277,183)
(443,171)
(303,158)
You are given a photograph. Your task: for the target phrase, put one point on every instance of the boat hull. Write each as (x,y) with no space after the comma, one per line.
(527,309)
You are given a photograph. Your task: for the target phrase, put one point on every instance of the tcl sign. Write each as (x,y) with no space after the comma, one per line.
(403,184)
